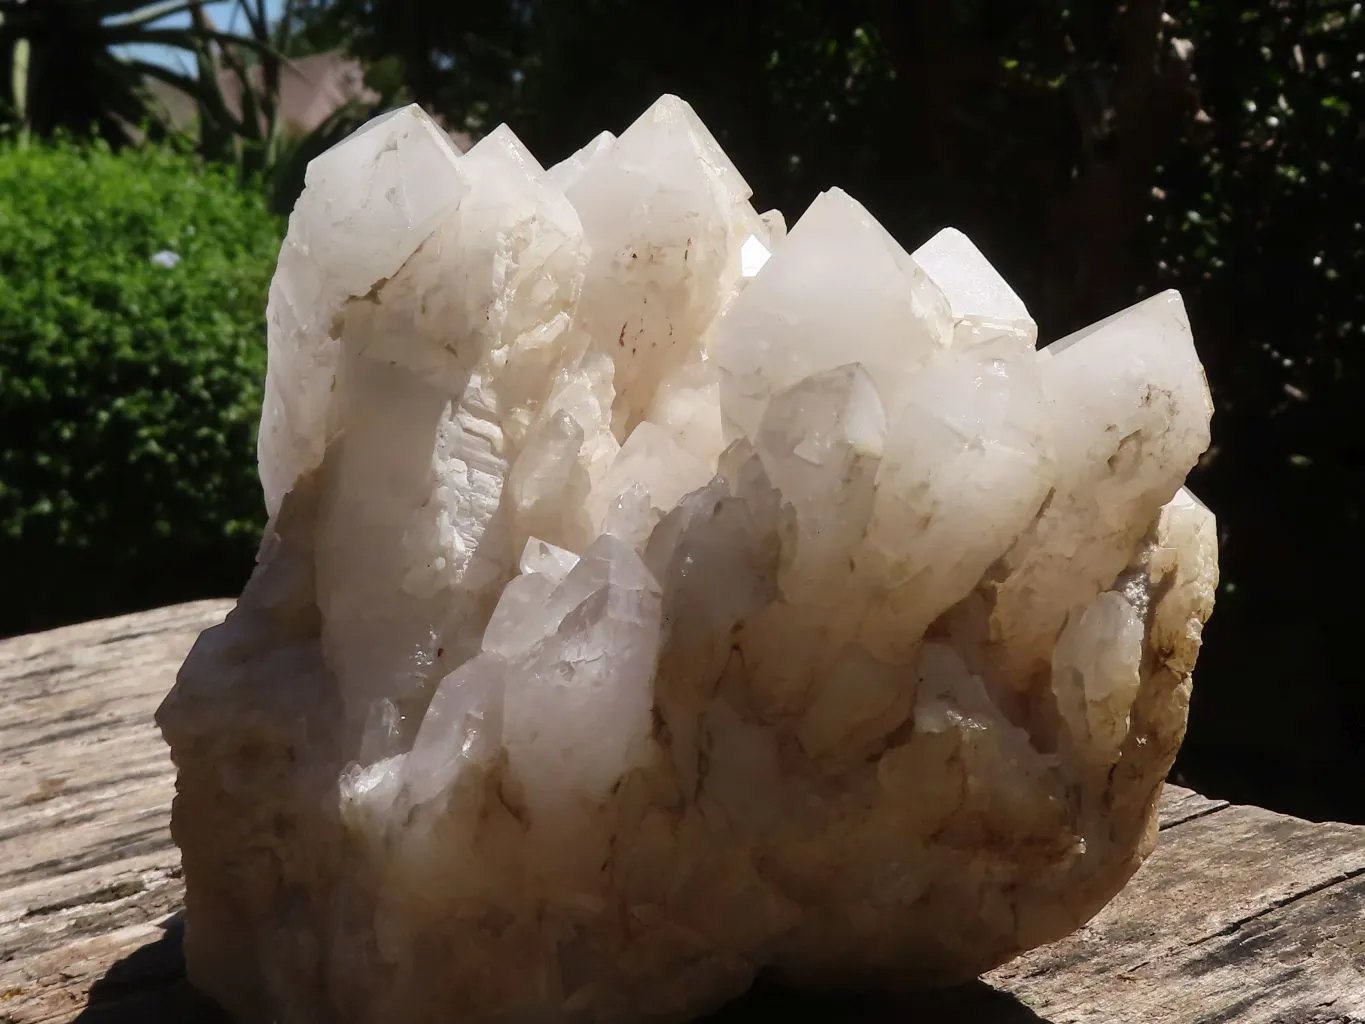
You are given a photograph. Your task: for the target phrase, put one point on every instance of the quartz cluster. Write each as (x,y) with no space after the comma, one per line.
(652,596)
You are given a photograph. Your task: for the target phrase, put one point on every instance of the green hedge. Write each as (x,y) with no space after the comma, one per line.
(129,388)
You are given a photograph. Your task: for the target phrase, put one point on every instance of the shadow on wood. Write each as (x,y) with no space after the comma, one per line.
(148,986)
(977,1003)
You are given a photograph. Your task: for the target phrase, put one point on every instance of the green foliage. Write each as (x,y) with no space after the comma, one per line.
(65,67)
(129,390)
(245,129)
(238,88)
(1261,223)
(61,66)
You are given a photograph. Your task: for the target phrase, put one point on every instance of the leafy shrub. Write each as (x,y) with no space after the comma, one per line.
(132,349)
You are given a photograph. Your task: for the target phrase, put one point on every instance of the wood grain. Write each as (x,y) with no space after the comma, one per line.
(87,867)
(1241,916)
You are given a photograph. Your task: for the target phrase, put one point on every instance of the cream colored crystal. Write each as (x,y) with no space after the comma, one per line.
(652,597)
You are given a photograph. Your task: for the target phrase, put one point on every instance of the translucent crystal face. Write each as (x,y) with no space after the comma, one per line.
(652,595)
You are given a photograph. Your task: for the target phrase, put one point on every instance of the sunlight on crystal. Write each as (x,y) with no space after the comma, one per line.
(752,255)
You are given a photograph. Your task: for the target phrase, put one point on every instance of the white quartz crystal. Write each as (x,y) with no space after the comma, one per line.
(652,596)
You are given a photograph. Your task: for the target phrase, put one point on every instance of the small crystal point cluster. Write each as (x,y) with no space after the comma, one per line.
(653,596)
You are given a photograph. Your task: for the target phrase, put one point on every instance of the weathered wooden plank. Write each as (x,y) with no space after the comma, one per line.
(1179,805)
(86,861)
(84,776)
(1241,916)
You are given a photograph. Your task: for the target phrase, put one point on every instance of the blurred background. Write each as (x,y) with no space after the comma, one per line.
(1095,151)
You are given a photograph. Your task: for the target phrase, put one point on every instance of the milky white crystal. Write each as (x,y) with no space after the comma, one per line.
(652,596)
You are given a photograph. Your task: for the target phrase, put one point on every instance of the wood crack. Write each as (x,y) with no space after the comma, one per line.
(1166,826)
(1277,905)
